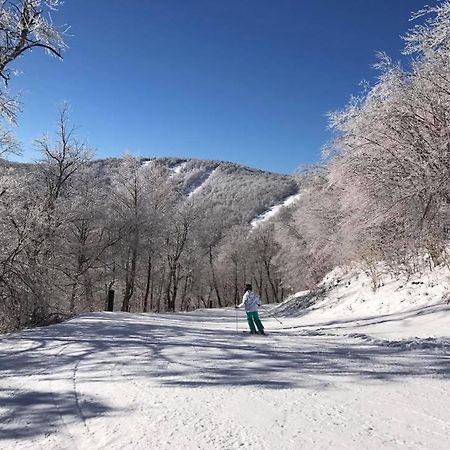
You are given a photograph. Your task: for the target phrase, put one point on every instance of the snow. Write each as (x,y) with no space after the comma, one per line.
(349,294)
(177,169)
(198,184)
(349,369)
(274,210)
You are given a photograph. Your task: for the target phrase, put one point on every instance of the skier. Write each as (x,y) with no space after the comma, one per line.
(251,302)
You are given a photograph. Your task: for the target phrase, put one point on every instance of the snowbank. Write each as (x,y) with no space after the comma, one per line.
(399,309)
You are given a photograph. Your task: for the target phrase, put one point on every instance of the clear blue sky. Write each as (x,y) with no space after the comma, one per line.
(248,81)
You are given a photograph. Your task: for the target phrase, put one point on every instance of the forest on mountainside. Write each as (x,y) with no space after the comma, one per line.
(174,234)
(74,228)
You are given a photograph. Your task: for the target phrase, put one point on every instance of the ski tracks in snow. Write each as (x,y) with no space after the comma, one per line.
(72,410)
(189,381)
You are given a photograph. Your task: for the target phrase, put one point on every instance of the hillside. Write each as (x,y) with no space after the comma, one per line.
(165,234)
(414,310)
(222,185)
(351,370)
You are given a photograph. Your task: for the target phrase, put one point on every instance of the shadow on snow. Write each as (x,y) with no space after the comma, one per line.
(157,351)
(42,411)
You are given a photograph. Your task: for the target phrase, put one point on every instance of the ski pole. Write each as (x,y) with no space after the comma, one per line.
(236,321)
(270,314)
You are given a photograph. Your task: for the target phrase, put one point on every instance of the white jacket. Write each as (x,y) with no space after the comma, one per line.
(251,302)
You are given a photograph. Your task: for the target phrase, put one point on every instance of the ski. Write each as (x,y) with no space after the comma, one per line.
(254,334)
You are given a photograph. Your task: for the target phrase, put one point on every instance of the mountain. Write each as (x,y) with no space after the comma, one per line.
(218,185)
(166,234)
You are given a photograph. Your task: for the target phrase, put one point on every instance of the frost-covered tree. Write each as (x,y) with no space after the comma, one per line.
(61,158)
(309,232)
(24,25)
(85,240)
(233,263)
(8,142)
(178,239)
(36,207)
(141,205)
(392,152)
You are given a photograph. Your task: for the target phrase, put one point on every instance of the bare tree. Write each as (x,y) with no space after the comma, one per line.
(177,239)
(23,27)
(61,158)
(391,153)
(8,143)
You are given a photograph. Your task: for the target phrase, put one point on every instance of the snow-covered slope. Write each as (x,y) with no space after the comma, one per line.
(250,193)
(246,191)
(200,182)
(400,308)
(177,169)
(352,369)
(274,210)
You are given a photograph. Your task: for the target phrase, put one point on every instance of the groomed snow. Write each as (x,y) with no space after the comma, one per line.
(274,210)
(200,182)
(342,374)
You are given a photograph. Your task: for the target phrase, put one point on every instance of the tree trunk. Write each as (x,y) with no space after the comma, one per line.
(148,284)
(130,279)
(214,278)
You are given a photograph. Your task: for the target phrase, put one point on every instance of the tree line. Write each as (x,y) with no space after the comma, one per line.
(383,193)
(73,228)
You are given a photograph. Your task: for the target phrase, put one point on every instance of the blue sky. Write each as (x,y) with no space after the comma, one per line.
(248,81)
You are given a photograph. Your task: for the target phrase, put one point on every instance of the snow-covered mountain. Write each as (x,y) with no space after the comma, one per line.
(166,233)
(249,191)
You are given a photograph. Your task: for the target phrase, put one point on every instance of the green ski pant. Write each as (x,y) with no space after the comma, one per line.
(253,319)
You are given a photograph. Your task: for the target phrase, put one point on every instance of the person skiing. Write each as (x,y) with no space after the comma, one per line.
(251,302)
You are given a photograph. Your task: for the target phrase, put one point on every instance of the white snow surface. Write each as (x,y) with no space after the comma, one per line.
(178,168)
(274,210)
(200,182)
(353,370)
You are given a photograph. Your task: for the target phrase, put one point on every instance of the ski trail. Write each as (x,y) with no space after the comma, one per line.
(78,397)
(189,381)
(67,436)
(70,407)
(274,210)
(178,168)
(201,182)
